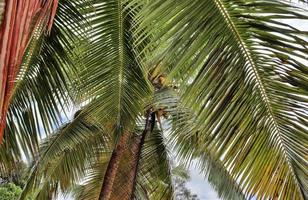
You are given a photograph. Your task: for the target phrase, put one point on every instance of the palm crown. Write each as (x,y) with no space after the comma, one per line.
(230,75)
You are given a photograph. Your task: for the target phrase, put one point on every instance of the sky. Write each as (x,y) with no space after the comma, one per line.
(198,185)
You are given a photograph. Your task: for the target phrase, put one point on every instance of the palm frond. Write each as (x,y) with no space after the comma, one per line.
(180,172)
(73,149)
(243,70)
(154,180)
(184,138)
(42,87)
(90,189)
(22,20)
(121,61)
(114,80)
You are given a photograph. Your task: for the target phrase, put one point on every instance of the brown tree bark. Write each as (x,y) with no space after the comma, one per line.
(112,167)
(125,177)
(117,154)
(136,149)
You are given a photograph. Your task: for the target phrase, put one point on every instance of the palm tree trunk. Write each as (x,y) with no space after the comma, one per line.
(136,156)
(136,150)
(115,159)
(112,167)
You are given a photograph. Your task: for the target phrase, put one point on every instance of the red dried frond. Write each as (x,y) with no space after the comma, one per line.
(20,20)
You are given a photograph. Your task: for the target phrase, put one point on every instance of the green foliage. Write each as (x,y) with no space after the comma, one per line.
(9,191)
(43,89)
(241,68)
(238,99)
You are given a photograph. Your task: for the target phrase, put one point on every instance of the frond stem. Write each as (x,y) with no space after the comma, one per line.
(121,56)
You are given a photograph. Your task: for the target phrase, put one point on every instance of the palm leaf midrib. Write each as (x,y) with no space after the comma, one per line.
(260,85)
(121,56)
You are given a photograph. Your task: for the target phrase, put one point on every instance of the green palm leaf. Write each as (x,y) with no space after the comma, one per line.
(237,65)
(113,78)
(111,74)
(245,77)
(184,134)
(43,85)
(90,189)
(73,149)
(154,177)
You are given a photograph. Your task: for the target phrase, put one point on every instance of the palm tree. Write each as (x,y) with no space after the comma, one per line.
(117,117)
(238,69)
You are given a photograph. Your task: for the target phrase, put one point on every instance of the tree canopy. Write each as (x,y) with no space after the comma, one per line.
(223,82)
